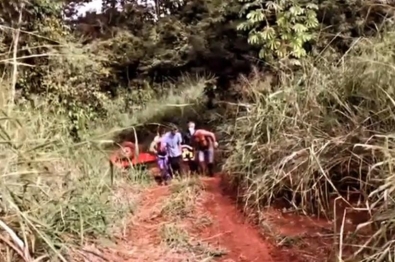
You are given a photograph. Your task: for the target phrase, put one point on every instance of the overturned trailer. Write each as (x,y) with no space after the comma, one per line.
(127,157)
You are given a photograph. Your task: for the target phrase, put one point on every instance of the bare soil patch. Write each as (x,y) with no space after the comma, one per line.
(196,220)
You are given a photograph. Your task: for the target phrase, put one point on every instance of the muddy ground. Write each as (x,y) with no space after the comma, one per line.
(193,219)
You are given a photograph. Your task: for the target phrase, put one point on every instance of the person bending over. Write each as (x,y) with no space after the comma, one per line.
(204,143)
(161,154)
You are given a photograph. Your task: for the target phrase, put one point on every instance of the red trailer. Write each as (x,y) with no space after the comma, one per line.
(125,157)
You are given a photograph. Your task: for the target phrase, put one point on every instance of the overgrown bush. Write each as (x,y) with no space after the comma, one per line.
(320,134)
(55,193)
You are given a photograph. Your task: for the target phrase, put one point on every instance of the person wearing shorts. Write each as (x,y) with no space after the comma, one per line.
(205,143)
(162,158)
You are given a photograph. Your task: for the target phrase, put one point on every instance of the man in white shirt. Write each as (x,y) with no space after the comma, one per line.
(171,141)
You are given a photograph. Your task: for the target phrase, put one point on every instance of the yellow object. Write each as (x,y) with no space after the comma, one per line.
(187,153)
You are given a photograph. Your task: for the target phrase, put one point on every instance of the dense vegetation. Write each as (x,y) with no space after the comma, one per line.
(311,117)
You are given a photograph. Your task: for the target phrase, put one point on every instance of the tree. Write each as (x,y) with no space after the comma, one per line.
(280,28)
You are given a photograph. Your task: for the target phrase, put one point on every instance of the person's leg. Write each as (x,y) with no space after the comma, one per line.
(170,167)
(181,167)
(167,170)
(187,163)
(210,161)
(162,169)
(201,162)
(176,164)
(195,162)
(173,166)
(192,163)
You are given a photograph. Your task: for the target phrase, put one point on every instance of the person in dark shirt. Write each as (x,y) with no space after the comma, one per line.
(187,137)
(187,140)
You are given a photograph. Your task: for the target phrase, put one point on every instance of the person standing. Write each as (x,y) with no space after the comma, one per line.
(193,164)
(162,158)
(171,142)
(189,133)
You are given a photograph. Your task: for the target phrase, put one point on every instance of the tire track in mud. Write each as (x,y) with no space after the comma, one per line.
(228,230)
(233,232)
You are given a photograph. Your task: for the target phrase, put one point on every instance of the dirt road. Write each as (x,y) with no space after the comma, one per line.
(192,220)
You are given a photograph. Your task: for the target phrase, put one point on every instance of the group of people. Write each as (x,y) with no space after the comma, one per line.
(167,146)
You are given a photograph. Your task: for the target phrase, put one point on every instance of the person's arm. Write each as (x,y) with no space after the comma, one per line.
(180,141)
(153,145)
(209,134)
(163,142)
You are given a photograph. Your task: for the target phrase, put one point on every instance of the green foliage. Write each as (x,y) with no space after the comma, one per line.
(64,73)
(320,134)
(128,46)
(102,72)
(280,28)
(54,192)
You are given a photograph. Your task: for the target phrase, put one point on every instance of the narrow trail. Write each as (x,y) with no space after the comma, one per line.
(141,241)
(230,229)
(156,234)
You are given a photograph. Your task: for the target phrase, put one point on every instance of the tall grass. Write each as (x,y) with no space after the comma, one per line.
(55,193)
(181,100)
(320,134)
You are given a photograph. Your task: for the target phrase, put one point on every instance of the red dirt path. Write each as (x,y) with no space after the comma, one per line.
(229,230)
(142,242)
(245,242)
